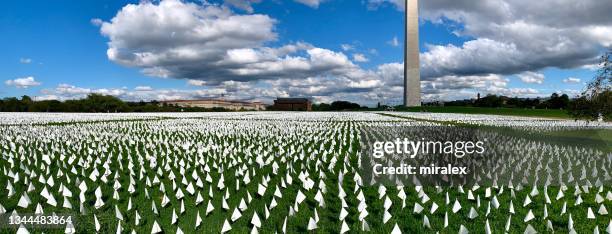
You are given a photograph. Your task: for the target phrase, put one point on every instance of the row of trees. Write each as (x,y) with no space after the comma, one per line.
(92,103)
(555,101)
(104,103)
(337,106)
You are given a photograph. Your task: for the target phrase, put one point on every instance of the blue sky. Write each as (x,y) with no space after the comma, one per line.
(343,49)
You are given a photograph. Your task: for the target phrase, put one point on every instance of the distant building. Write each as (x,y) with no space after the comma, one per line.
(218,103)
(292,104)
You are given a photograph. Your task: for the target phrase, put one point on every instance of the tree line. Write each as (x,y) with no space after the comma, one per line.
(337,106)
(555,101)
(93,103)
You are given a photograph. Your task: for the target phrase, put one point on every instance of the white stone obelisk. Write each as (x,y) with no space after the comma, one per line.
(412,74)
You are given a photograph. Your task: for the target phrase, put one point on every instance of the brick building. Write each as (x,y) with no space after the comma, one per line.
(292,104)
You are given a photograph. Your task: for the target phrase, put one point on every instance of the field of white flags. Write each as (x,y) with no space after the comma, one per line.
(281,172)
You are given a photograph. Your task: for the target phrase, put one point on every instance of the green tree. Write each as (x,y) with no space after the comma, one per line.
(11,104)
(489,101)
(344,105)
(25,103)
(558,102)
(596,100)
(321,107)
(103,103)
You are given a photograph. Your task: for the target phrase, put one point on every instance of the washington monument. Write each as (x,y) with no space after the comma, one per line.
(412,74)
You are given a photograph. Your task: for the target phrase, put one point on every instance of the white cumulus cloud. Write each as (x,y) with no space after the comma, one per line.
(572,80)
(143,88)
(532,77)
(212,44)
(311,3)
(23,83)
(361,58)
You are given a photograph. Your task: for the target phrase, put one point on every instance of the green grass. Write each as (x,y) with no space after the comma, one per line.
(493,111)
(593,137)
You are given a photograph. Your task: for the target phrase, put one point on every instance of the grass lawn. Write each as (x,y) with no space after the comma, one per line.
(493,111)
(594,137)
